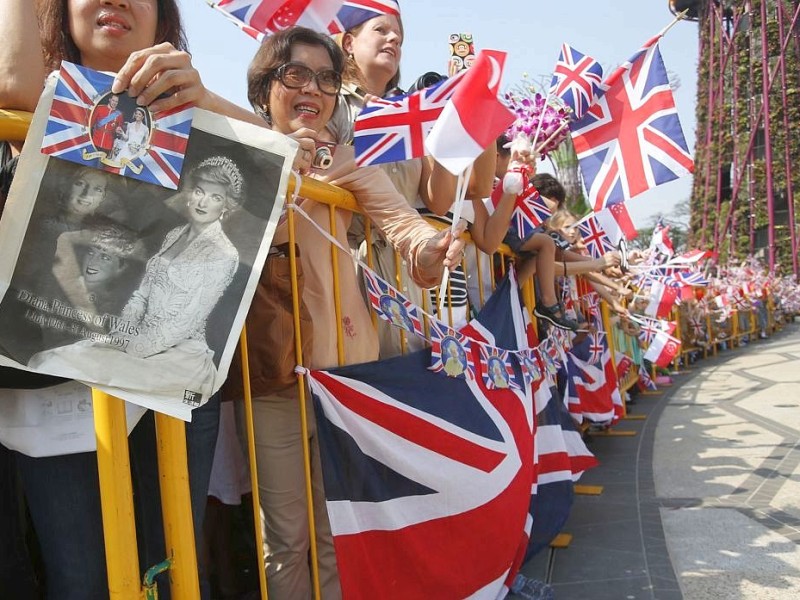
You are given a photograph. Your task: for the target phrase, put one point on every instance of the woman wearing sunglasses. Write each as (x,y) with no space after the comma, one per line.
(293,82)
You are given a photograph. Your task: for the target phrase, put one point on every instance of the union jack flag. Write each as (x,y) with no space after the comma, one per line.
(631,139)
(592,300)
(649,328)
(697,325)
(497,369)
(594,237)
(693,278)
(411,456)
(394,129)
(451,352)
(390,305)
(530,212)
(576,80)
(645,381)
(258,18)
(67,135)
(596,347)
(357,11)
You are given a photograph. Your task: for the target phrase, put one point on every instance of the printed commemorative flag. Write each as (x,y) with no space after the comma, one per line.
(577,80)
(390,305)
(451,352)
(530,364)
(90,126)
(498,372)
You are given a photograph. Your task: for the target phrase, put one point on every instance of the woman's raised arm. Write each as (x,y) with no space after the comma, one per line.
(22,70)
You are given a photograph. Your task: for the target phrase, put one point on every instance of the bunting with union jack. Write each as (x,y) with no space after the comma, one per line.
(451,352)
(497,368)
(630,139)
(88,125)
(390,305)
(394,129)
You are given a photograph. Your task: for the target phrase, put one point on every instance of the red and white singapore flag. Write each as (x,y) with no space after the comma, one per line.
(663,349)
(473,117)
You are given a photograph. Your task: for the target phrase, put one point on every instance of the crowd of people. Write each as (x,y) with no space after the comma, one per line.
(310,87)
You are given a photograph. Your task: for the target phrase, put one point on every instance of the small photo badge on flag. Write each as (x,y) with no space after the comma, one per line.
(91,126)
(530,365)
(451,352)
(549,353)
(462,52)
(390,305)
(498,372)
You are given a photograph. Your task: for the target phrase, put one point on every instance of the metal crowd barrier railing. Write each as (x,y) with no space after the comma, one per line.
(112,441)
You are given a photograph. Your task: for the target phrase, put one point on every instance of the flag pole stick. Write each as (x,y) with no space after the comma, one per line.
(679,17)
(461,192)
(547,141)
(539,127)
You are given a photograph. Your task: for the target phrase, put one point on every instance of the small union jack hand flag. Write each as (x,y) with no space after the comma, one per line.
(90,126)
(390,305)
(530,211)
(394,129)
(498,372)
(451,352)
(576,80)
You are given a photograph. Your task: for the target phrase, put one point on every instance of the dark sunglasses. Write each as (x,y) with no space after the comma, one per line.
(296,75)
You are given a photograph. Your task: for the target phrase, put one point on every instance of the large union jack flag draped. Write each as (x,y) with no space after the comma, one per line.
(428,477)
(263,17)
(576,80)
(631,140)
(67,134)
(390,305)
(394,129)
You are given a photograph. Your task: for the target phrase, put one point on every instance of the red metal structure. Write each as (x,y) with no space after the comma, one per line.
(747,157)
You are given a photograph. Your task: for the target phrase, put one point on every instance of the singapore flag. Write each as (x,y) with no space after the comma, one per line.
(473,117)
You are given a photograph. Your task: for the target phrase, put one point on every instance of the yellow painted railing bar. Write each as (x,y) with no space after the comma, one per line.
(116,497)
(176,502)
(325,193)
(251,453)
(479,274)
(612,344)
(337,293)
(14,125)
(301,393)
(398,284)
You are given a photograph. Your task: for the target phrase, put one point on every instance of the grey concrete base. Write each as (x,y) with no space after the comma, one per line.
(704,502)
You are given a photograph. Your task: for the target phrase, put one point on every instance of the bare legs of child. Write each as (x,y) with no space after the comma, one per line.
(543,264)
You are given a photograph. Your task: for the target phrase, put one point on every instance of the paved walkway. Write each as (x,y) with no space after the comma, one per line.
(704,502)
